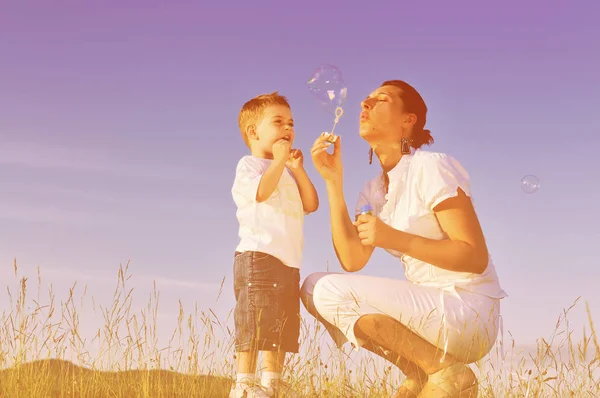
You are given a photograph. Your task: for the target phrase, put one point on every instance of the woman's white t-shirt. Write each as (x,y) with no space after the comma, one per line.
(418,183)
(274,226)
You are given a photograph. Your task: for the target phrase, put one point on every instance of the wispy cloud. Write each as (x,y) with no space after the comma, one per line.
(52,215)
(93,277)
(34,155)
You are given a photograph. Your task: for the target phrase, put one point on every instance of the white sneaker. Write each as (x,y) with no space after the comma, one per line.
(247,390)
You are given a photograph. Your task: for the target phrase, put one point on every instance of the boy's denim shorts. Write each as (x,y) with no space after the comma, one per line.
(267,310)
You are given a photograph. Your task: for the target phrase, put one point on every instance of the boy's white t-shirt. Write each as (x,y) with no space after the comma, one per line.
(274,226)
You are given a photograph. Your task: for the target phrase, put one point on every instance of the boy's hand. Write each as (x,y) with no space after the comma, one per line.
(295,162)
(281,150)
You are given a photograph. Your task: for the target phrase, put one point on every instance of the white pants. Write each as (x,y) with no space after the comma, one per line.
(462,323)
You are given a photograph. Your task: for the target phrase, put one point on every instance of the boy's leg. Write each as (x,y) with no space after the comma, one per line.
(244,320)
(246,365)
(274,291)
(245,331)
(246,385)
(272,367)
(273,361)
(287,334)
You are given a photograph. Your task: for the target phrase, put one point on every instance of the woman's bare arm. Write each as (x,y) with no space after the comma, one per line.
(465,250)
(353,256)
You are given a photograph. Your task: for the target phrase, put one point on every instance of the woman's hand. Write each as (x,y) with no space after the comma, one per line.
(328,165)
(372,231)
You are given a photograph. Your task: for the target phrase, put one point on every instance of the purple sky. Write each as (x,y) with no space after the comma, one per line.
(119,138)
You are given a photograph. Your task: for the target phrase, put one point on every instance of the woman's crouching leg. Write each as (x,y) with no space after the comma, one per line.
(307,297)
(424,326)
(462,324)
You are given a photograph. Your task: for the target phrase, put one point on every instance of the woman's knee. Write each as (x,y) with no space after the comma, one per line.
(307,291)
(309,283)
(321,293)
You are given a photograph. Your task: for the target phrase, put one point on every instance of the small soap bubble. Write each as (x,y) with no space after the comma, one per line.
(530,184)
(327,86)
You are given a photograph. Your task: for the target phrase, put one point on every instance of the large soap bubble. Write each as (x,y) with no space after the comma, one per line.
(327,86)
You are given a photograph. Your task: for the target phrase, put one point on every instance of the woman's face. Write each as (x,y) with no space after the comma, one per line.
(383,117)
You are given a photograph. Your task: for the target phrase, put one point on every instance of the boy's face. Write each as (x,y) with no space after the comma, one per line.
(276,124)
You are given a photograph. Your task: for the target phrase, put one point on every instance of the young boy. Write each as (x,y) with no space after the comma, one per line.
(273,193)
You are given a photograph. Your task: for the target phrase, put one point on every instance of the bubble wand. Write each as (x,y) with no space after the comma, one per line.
(338,114)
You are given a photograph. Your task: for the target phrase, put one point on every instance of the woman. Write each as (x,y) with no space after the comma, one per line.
(445,315)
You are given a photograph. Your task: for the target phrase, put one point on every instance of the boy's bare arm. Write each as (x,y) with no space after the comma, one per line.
(308,193)
(269,180)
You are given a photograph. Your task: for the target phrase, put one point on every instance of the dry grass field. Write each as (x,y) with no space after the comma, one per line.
(36,341)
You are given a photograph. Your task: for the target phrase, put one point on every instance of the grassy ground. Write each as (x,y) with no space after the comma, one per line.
(36,339)
(60,378)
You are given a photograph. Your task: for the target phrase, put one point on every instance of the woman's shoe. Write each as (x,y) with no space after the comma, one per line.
(456,381)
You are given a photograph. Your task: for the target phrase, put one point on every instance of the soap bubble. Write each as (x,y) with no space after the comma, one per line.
(327,86)
(530,184)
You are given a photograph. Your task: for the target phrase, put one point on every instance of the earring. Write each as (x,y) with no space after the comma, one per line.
(370,155)
(405,145)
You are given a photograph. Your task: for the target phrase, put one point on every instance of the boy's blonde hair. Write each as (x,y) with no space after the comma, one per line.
(253,110)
